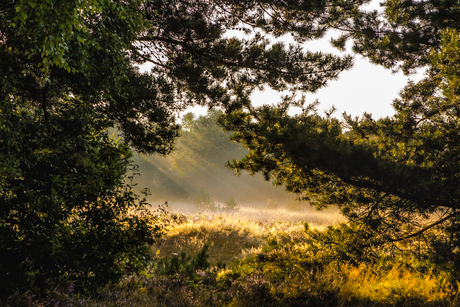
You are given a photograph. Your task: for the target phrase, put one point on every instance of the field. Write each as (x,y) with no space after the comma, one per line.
(238,233)
(255,256)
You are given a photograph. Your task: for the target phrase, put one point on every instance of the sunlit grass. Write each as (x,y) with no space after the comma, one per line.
(260,213)
(243,233)
(399,286)
(286,277)
(239,233)
(269,262)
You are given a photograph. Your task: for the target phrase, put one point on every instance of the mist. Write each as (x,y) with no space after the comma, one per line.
(167,183)
(198,165)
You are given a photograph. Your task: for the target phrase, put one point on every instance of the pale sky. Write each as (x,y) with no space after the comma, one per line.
(365,88)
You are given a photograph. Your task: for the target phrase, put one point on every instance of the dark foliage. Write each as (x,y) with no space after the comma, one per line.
(68,74)
(396,178)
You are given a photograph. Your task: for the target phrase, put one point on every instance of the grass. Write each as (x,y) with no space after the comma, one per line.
(240,233)
(288,275)
(262,258)
(399,285)
(259,212)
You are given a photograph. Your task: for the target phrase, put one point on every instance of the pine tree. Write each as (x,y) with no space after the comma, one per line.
(396,179)
(68,73)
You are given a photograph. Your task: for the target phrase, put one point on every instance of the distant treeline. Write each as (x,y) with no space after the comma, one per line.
(198,162)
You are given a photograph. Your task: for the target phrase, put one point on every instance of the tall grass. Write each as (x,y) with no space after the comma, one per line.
(238,233)
(399,285)
(262,257)
(288,275)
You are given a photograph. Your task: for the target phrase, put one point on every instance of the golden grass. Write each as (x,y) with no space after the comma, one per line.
(260,213)
(281,275)
(228,238)
(225,238)
(398,286)
(240,233)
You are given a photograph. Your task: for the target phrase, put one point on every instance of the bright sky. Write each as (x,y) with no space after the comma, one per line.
(365,88)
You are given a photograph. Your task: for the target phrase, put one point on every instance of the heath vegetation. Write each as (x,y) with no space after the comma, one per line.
(226,260)
(79,121)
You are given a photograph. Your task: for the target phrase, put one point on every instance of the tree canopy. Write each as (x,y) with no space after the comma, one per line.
(395,178)
(67,208)
(69,73)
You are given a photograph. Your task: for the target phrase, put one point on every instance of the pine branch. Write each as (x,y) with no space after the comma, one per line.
(417,233)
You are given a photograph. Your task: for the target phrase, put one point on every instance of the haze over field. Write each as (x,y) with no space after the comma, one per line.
(198,163)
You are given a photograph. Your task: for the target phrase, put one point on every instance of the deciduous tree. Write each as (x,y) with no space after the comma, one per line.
(68,73)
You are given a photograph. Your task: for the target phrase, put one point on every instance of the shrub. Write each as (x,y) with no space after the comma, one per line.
(203,201)
(183,264)
(68,212)
(231,204)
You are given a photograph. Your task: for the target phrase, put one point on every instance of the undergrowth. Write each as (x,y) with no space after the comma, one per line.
(222,261)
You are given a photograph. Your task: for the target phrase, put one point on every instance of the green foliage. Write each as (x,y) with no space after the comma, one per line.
(64,34)
(231,204)
(395,178)
(224,71)
(383,41)
(68,212)
(183,264)
(68,74)
(203,202)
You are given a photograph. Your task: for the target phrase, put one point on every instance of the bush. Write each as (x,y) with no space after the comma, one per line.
(184,264)
(68,212)
(203,201)
(231,204)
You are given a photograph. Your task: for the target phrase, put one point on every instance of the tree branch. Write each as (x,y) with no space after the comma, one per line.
(44,99)
(438,222)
